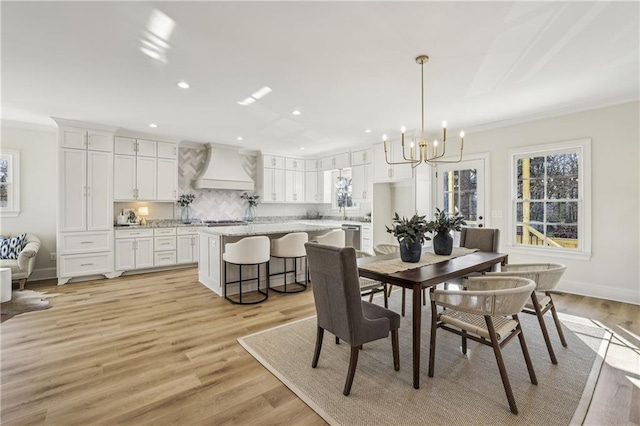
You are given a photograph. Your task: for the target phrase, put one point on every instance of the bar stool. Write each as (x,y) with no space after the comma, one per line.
(291,246)
(332,238)
(247,251)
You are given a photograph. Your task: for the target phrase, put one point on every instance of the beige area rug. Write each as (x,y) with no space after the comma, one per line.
(24,301)
(463,390)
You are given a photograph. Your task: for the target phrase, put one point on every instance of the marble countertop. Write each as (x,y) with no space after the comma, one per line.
(268,228)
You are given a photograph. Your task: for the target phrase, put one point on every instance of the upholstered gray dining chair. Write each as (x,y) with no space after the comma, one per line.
(340,308)
(486,312)
(379,249)
(546,276)
(483,239)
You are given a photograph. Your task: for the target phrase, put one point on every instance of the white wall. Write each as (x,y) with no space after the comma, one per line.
(613,270)
(38,190)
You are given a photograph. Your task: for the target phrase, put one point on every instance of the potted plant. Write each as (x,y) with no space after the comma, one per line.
(184,201)
(411,233)
(250,214)
(442,226)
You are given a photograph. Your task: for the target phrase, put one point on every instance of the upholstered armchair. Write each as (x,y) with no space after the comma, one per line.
(22,267)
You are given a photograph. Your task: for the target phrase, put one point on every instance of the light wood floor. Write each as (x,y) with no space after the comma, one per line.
(161,348)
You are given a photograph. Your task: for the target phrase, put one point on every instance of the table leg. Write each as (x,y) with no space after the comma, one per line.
(417,318)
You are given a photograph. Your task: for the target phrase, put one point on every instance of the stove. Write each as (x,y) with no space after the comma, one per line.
(224,222)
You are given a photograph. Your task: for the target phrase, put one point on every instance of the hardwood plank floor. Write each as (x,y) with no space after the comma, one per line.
(160,348)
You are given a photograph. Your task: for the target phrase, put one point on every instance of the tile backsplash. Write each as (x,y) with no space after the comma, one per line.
(213,204)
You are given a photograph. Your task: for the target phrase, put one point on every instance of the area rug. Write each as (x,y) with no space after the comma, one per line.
(465,389)
(24,301)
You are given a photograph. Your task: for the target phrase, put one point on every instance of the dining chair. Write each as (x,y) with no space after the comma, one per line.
(334,238)
(369,287)
(485,312)
(546,276)
(379,249)
(340,308)
(483,239)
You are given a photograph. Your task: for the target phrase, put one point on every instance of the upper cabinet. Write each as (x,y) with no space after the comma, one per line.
(77,138)
(294,164)
(384,172)
(273,162)
(145,170)
(338,161)
(361,157)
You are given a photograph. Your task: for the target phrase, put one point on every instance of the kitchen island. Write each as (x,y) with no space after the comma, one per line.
(212,241)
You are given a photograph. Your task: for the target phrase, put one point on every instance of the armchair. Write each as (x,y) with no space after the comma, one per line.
(22,267)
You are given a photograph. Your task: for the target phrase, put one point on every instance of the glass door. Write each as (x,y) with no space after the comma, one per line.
(461,186)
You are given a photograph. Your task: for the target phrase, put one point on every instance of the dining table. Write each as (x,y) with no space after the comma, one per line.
(419,276)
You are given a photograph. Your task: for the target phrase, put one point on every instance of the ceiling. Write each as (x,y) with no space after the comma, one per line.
(346,66)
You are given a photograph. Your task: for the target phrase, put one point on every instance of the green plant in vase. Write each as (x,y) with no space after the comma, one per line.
(184,201)
(250,214)
(411,234)
(441,227)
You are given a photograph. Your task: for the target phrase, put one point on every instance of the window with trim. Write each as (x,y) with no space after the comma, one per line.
(9,183)
(551,202)
(342,190)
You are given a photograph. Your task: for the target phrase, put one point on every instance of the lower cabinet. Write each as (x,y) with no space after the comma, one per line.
(134,249)
(84,253)
(187,245)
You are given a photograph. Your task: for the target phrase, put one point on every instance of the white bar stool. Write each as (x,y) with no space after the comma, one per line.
(252,251)
(291,246)
(332,238)
(5,284)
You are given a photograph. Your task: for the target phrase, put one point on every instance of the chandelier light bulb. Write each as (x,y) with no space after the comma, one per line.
(435,143)
(384,138)
(403,129)
(462,134)
(444,124)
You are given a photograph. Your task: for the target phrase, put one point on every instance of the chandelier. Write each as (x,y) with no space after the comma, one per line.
(427,153)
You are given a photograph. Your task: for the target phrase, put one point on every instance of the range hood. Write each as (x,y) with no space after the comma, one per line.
(223,170)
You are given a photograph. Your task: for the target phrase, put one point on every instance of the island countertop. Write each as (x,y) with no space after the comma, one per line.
(267,229)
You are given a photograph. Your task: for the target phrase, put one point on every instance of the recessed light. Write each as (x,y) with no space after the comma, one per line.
(154,125)
(302,147)
(296,112)
(262,92)
(240,138)
(368,131)
(247,101)
(183,85)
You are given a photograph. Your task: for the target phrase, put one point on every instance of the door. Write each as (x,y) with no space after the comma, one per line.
(144,252)
(167,182)
(146,178)
(99,189)
(124,180)
(73,190)
(99,141)
(125,254)
(462,186)
(185,249)
(311,187)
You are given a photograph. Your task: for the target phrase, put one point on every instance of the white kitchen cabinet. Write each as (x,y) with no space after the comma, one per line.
(337,161)
(146,148)
(366,244)
(361,181)
(294,186)
(314,187)
(187,245)
(135,178)
(310,165)
(273,186)
(167,150)
(167,179)
(134,249)
(384,172)
(294,164)
(273,162)
(363,156)
(77,138)
(146,178)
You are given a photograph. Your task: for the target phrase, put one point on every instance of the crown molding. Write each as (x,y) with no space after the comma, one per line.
(41,127)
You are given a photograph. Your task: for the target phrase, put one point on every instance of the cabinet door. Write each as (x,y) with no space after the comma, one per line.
(358,182)
(311,187)
(147,148)
(320,190)
(167,178)
(273,162)
(278,185)
(99,191)
(340,161)
(294,164)
(124,177)
(299,187)
(310,165)
(185,249)
(146,178)
(294,186)
(73,187)
(144,252)
(125,254)
(167,150)
(361,157)
(125,146)
(72,137)
(99,141)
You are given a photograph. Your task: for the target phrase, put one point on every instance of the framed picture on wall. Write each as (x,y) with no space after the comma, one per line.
(9,183)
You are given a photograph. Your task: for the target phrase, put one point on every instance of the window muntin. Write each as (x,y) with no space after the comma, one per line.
(460,193)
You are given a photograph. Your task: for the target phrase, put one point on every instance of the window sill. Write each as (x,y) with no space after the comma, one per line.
(10,214)
(549,252)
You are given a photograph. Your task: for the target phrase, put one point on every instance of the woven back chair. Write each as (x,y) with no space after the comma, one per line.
(369,287)
(486,312)
(546,276)
(379,249)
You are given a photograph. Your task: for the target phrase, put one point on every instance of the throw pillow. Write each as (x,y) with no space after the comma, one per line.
(10,248)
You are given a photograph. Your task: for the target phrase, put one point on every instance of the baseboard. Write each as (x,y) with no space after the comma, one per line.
(43,274)
(601,292)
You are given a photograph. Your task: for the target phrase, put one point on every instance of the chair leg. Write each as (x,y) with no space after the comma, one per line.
(525,352)
(557,321)
(23,283)
(337,340)
(396,350)
(543,327)
(386,297)
(424,297)
(353,362)
(316,354)
(501,366)
(371,296)
(464,342)
(389,291)
(404,295)
(432,343)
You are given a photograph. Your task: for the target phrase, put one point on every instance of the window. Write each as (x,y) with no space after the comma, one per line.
(9,183)
(342,190)
(550,197)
